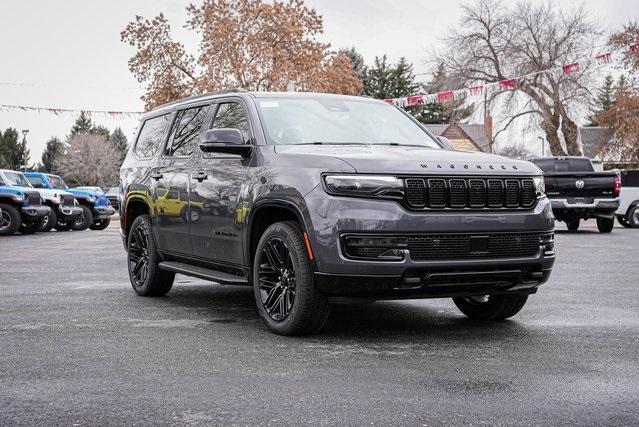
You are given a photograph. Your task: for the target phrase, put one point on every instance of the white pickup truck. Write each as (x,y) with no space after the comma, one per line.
(628,212)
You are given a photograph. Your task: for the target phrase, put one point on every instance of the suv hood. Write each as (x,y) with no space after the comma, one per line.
(46,193)
(415,160)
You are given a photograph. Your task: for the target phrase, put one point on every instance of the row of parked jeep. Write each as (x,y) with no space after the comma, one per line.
(36,201)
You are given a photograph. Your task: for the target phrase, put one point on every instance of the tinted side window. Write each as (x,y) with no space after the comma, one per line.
(186,131)
(150,137)
(36,181)
(231,115)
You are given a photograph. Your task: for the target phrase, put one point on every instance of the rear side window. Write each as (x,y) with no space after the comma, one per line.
(186,130)
(150,137)
(36,181)
(232,115)
(565,165)
(630,178)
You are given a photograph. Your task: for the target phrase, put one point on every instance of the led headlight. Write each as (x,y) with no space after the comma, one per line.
(540,186)
(364,186)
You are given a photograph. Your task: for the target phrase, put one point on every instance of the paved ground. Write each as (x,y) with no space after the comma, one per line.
(78,347)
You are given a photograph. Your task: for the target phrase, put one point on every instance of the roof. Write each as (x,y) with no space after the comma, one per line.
(593,139)
(462,136)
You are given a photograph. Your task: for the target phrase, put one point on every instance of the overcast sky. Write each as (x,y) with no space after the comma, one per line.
(71,49)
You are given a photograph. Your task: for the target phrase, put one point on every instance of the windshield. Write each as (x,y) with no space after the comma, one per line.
(336,120)
(56,182)
(17,179)
(564,165)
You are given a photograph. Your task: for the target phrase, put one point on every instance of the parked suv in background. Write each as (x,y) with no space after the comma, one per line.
(63,206)
(95,208)
(315,196)
(628,212)
(21,210)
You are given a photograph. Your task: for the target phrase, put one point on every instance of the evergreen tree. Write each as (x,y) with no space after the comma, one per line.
(52,155)
(14,152)
(83,124)
(387,81)
(120,142)
(604,100)
(360,68)
(100,130)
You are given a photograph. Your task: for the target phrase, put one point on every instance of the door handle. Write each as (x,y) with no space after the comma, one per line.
(199,176)
(157,176)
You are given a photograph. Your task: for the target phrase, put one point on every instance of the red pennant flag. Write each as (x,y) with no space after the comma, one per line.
(508,84)
(603,58)
(445,96)
(634,48)
(415,100)
(571,68)
(389,101)
(476,90)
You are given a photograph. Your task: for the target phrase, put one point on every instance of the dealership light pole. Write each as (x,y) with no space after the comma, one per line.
(24,166)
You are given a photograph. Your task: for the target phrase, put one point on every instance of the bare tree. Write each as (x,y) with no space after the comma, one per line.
(496,42)
(90,160)
(517,151)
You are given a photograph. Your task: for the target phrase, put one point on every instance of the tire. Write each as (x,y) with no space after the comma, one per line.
(143,261)
(623,221)
(573,225)
(287,297)
(64,225)
(100,225)
(49,221)
(85,219)
(32,227)
(633,217)
(10,220)
(491,307)
(605,225)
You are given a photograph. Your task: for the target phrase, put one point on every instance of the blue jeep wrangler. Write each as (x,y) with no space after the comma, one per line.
(96,208)
(20,210)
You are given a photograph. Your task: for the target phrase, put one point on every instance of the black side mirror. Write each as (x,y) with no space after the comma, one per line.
(225,140)
(445,143)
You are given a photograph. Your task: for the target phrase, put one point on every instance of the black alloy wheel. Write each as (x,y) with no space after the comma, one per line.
(138,256)
(276,275)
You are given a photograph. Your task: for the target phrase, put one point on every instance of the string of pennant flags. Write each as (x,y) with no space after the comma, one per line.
(600,59)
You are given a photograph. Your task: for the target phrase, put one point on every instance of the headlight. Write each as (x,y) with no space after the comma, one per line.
(364,185)
(540,186)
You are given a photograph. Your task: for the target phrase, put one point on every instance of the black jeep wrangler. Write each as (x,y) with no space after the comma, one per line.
(309,197)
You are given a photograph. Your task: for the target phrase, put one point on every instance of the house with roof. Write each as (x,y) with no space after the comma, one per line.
(462,136)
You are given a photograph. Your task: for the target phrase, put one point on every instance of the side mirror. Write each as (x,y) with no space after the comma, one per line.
(225,140)
(445,142)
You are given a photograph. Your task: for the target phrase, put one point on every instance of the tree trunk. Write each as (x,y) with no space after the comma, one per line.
(550,125)
(571,135)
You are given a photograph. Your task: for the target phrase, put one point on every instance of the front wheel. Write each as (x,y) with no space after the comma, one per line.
(101,224)
(143,261)
(605,225)
(623,221)
(49,221)
(491,307)
(10,220)
(633,217)
(286,294)
(32,227)
(84,220)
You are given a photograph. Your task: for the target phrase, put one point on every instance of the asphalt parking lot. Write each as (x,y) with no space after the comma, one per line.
(77,346)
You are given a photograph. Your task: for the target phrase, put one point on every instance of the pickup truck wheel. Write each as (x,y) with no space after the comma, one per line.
(32,227)
(49,221)
(605,225)
(101,224)
(84,220)
(633,217)
(491,307)
(286,294)
(143,261)
(573,225)
(10,220)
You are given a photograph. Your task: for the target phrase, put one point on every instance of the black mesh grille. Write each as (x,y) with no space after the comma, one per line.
(470,193)
(68,200)
(459,246)
(33,199)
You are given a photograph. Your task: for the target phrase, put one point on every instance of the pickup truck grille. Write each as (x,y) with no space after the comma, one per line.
(34,199)
(463,246)
(68,200)
(470,193)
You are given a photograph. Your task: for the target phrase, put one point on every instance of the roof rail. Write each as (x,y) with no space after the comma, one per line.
(203,95)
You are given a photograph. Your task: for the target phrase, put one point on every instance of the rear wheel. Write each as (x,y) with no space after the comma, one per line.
(32,227)
(286,294)
(491,307)
(573,224)
(101,224)
(633,217)
(84,220)
(49,221)
(143,261)
(605,225)
(10,220)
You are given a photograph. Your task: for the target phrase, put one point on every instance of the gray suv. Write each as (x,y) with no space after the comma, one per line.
(311,197)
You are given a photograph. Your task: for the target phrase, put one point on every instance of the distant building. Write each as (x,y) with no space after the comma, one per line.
(463,137)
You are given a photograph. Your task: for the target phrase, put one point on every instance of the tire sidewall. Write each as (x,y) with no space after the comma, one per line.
(15,218)
(87,219)
(630,217)
(52,219)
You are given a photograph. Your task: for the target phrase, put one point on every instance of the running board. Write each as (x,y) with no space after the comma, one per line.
(203,273)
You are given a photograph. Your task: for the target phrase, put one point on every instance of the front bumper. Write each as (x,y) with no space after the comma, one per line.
(331,217)
(69,212)
(103,212)
(35,212)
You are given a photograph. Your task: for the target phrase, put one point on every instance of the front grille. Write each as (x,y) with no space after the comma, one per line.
(34,199)
(470,193)
(470,246)
(68,200)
